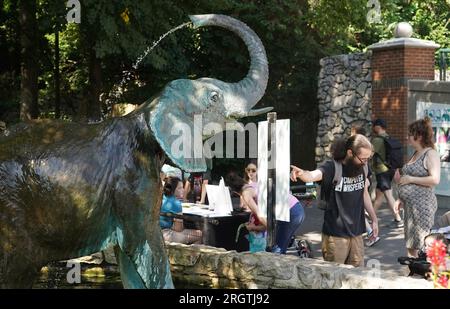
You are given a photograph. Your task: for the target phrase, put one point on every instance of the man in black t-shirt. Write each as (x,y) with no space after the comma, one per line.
(344,223)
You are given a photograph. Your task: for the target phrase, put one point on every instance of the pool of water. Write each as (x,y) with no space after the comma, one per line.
(102,276)
(55,276)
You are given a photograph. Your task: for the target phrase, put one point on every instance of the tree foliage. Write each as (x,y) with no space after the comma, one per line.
(112,35)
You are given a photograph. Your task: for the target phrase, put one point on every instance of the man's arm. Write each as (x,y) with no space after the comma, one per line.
(304,175)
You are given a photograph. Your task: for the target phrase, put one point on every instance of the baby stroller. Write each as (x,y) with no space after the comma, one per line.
(420,265)
(417,266)
(302,246)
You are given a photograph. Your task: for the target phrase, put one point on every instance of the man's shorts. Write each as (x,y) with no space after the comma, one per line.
(343,250)
(384,180)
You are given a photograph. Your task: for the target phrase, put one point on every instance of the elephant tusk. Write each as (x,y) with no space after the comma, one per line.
(256,112)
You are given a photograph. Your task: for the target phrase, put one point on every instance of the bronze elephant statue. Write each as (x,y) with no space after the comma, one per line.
(70,189)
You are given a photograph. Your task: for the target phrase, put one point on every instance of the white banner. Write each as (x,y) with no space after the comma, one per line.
(282,165)
(262,167)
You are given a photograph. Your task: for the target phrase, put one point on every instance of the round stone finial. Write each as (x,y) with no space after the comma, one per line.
(403,30)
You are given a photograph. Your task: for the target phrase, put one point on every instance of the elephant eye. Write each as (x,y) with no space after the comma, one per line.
(214,96)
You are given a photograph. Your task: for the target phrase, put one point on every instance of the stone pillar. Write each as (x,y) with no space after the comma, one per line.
(394,63)
(343,95)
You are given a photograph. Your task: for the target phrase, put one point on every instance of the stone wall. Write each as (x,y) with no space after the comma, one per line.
(344,96)
(209,267)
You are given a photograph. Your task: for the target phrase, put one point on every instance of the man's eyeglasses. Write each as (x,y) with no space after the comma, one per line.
(363,161)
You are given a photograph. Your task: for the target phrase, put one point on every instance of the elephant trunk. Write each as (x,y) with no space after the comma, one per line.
(246,93)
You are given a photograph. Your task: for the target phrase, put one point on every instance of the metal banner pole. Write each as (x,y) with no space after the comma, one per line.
(271,180)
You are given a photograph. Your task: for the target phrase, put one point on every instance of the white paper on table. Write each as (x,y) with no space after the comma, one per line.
(228,205)
(213,215)
(212,191)
(197,211)
(219,199)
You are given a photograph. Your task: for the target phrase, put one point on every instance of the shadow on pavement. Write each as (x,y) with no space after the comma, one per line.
(386,251)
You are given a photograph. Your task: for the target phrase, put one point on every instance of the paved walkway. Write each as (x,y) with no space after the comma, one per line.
(386,251)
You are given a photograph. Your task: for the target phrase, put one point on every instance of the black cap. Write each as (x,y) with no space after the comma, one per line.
(379,122)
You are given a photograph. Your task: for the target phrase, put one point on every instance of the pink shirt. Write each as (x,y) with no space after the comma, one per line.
(292,200)
(254,185)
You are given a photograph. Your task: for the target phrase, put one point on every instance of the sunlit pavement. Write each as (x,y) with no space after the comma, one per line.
(386,251)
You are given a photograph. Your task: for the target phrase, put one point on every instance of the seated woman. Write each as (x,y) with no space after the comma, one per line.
(251,181)
(172,229)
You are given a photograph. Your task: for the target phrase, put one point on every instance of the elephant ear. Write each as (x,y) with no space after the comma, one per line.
(172,122)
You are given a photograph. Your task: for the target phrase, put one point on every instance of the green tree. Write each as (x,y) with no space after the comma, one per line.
(94,55)
(29,67)
(10,64)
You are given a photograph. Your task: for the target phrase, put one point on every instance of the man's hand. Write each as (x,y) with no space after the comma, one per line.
(296,173)
(375,228)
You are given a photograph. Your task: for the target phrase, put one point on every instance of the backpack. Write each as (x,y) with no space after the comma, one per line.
(394,153)
(324,190)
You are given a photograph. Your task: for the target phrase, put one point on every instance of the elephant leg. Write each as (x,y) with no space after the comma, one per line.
(142,258)
(141,247)
(143,269)
(128,273)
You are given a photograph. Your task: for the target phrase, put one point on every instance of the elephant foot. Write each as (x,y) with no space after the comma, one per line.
(130,277)
(141,271)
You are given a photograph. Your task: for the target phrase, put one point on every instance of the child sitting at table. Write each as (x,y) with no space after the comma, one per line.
(172,228)
(256,225)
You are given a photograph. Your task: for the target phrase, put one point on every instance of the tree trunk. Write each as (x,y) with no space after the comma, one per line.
(89,108)
(56,76)
(95,86)
(29,64)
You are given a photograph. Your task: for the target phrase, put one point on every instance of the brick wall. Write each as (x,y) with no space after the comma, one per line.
(391,105)
(416,63)
(391,70)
